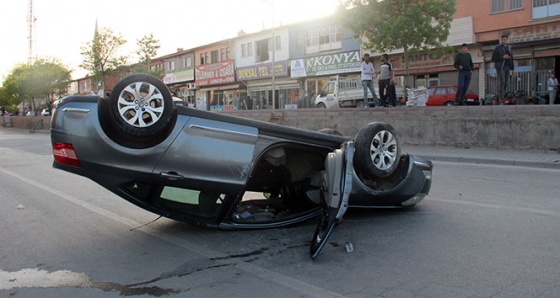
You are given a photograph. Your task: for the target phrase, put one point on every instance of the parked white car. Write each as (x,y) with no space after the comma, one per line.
(342,92)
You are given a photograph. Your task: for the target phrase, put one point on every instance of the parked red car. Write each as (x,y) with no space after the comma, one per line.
(445,96)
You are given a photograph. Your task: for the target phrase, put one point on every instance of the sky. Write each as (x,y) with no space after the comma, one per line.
(62,27)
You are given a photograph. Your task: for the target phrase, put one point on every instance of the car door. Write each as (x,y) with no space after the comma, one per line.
(336,187)
(439,97)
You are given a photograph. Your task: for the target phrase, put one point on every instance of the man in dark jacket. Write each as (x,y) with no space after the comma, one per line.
(503,62)
(464,63)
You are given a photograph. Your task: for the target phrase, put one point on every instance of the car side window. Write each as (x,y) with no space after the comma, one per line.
(440,91)
(204,204)
(450,90)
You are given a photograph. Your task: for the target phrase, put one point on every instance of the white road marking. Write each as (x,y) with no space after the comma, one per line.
(65,279)
(36,278)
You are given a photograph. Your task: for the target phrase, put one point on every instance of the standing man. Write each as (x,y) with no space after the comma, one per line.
(464,63)
(385,77)
(392,92)
(367,80)
(552,88)
(503,62)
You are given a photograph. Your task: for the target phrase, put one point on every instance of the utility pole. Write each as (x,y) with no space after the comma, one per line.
(31,23)
(273,60)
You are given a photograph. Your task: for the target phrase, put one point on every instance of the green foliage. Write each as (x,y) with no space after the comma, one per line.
(148,47)
(410,25)
(43,79)
(101,55)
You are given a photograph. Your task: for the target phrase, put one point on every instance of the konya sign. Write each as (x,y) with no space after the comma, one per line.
(262,71)
(215,74)
(326,65)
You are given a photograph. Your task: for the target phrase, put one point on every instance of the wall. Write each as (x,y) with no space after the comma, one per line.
(499,127)
(511,127)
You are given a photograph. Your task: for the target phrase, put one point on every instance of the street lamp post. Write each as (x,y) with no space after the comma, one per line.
(273,60)
(271,2)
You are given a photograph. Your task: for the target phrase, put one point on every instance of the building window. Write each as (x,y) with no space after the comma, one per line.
(170,65)
(244,50)
(214,56)
(187,62)
(223,54)
(202,60)
(515,4)
(262,50)
(497,6)
(329,36)
(249,49)
(545,8)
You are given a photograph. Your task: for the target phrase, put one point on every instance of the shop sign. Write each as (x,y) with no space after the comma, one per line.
(326,65)
(534,33)
(215,74)
(180,76)
(262,71)
(423,60)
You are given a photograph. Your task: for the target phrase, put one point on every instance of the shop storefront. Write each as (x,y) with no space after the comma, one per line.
(258,79)
(182,84)
(216,87)
(536,51)
(314,72)
(430,69)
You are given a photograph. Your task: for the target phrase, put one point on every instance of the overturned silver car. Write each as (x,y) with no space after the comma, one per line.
(223,171)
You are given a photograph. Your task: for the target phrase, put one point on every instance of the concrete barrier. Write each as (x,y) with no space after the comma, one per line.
(511,127)
(500,127)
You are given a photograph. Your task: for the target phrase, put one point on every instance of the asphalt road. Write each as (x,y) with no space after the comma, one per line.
(484,231)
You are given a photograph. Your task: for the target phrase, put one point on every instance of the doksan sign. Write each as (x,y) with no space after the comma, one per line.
(326,65)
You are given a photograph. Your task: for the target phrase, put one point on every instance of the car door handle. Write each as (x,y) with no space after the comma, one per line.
(171,176)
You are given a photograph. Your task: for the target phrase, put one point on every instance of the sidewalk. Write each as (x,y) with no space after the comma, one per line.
(528,158)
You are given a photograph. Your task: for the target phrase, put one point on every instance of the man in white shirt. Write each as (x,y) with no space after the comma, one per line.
(552,88)
(367,80)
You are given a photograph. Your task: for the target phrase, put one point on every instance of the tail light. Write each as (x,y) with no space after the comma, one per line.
(64,153)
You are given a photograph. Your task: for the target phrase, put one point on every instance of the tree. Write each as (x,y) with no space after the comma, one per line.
(101,55)
(148,47)
(43,79)
(410,25)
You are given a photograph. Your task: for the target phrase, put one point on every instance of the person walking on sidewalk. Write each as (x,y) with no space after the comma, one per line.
(385,78)
(464,63)
(503,62)
(367,80)
(552,88)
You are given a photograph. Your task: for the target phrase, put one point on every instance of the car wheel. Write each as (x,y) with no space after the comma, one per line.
(139,113)
(377,150)
(321,105)
(449,104)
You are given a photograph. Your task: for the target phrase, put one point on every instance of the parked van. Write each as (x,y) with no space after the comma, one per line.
(342,92)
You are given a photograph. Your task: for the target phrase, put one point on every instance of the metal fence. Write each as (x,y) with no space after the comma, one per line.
(534,83)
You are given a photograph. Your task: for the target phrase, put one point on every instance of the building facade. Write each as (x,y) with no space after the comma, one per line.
(287,66)
(533,27)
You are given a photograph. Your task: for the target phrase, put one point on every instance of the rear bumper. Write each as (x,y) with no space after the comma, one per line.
(409,191)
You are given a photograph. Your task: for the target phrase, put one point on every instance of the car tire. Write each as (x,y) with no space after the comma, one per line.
(378,151)
(139,112)
(321,105)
